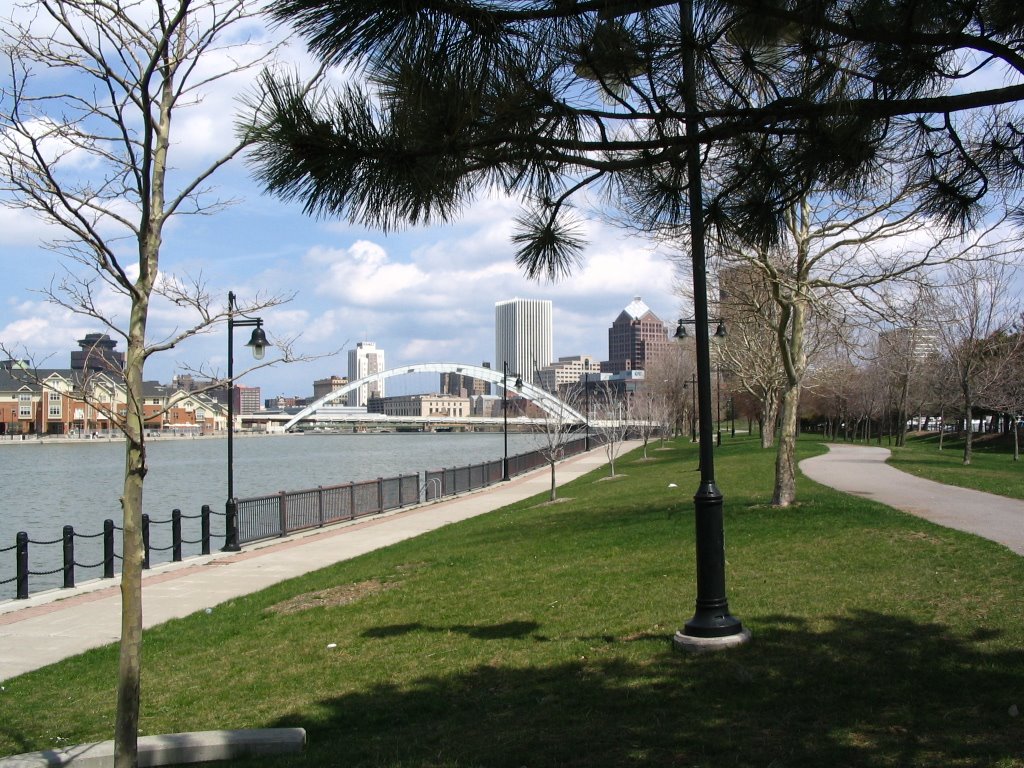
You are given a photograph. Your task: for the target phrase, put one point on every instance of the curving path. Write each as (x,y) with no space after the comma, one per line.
(861,470)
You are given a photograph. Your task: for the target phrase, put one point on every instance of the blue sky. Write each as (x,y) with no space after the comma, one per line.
(422,295)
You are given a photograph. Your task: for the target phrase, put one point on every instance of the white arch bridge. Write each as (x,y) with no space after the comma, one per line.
(550,404)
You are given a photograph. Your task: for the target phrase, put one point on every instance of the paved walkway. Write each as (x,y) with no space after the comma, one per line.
(57,624)
(862,470)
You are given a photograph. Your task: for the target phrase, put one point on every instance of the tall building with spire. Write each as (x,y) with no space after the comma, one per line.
(523,336)
(636,338)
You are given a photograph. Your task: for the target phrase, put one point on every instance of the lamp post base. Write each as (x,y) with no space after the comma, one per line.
(692,644)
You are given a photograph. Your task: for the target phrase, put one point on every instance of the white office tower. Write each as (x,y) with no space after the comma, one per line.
(523,336)
(363,361)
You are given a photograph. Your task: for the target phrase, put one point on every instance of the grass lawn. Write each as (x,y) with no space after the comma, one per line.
(540,635)
(992,467)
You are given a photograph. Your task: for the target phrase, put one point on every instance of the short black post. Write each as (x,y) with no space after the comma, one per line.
(176,535)
(351,501)
(108,549)
(68,536)
(230,526)
(320,505)
(21,544)
(282,512)
(145,542)
(380,495)
(204,522)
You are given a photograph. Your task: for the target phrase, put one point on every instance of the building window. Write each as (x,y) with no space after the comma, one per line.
(54,410)
(24,406)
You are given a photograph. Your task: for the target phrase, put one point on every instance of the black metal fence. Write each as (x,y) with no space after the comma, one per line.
(284,513)
(265,517)
(105,545)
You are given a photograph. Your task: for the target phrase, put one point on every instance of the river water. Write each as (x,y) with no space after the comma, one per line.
(47,485)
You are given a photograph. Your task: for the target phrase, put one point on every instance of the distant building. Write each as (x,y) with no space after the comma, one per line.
(97,353)
(523,336)
(322,387)
(420,405)
(567,371)
(635,339)
(464,386)
(246,399)
(281,402)
(915,343)
(364,361)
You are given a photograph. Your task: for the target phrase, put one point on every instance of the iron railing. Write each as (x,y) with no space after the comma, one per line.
(285,513)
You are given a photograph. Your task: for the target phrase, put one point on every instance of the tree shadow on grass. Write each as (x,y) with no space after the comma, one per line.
(868,690)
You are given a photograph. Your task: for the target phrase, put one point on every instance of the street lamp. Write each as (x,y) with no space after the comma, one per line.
(692,386)
(712,626)
(586,410)
(718,406)
(504,412)
(258,343)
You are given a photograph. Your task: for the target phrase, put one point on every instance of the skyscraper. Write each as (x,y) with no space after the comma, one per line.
(523,336)
(364,360)
(636,337)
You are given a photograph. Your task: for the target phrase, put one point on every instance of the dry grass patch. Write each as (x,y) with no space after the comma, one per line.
(333,597)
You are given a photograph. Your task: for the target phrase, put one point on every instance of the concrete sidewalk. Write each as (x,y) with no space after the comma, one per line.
(862,470)
(60,623)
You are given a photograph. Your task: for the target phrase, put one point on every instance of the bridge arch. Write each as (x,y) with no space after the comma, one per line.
(545,400)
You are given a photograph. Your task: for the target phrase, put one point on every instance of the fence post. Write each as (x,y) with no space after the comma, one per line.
(145,541)
(282,511)
(352,501)
(176,535)
(108,549)
(230,526)
(380,495)
(21,541)
(320,505)
(69,556)
(204,522)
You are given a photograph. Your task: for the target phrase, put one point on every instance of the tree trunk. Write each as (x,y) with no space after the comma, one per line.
(785,460)
(554,488)
(969,437)
(1016,442)
(126,732)
(769,420)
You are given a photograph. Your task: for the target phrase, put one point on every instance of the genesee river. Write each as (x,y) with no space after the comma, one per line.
(47,485)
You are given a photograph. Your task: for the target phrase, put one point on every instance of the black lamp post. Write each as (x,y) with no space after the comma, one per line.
(504,412)
(718,406)
(258,343)
(586,409)
(712,625)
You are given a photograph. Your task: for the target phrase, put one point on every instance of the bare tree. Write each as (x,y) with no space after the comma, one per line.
(975,330)
(94,159)
(613,422)
(836,253)
(1008,393)
(671,375)
(649,411)
(555,428)
(750,351)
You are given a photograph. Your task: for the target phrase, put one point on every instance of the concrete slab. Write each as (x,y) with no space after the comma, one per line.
(171,749)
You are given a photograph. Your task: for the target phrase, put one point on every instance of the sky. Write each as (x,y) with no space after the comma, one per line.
(421,295)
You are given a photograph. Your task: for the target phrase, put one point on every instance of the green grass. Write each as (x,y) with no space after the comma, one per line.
(992,468)
(540,635)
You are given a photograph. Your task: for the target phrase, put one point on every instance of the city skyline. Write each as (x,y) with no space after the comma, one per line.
(424,294)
